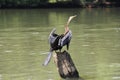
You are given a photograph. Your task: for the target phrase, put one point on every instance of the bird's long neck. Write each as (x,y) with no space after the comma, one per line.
(66,29)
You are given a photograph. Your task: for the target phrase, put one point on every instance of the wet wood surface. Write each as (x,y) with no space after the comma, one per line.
(65,65)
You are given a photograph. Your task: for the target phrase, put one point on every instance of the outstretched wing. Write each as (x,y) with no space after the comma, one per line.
(66,39)
(51,37)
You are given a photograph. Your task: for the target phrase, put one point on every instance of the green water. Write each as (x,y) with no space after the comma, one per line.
(94,48)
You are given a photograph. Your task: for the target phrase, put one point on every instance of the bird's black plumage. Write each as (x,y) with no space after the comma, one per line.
(58,41)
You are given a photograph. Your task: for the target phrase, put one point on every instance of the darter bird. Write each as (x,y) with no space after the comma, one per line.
(58,41)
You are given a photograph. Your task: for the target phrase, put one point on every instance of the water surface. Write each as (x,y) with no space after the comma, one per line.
(95,45)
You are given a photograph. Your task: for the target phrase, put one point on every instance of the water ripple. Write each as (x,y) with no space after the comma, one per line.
(114,65)
(116,78)
(8,51)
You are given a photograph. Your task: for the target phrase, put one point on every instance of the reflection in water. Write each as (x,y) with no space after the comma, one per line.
(94,48)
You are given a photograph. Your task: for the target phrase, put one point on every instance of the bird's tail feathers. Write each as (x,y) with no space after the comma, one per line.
(47,60)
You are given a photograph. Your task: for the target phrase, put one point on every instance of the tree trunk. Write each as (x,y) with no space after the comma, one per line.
(65,65)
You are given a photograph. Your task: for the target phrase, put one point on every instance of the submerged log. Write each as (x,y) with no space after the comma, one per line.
(65,65)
